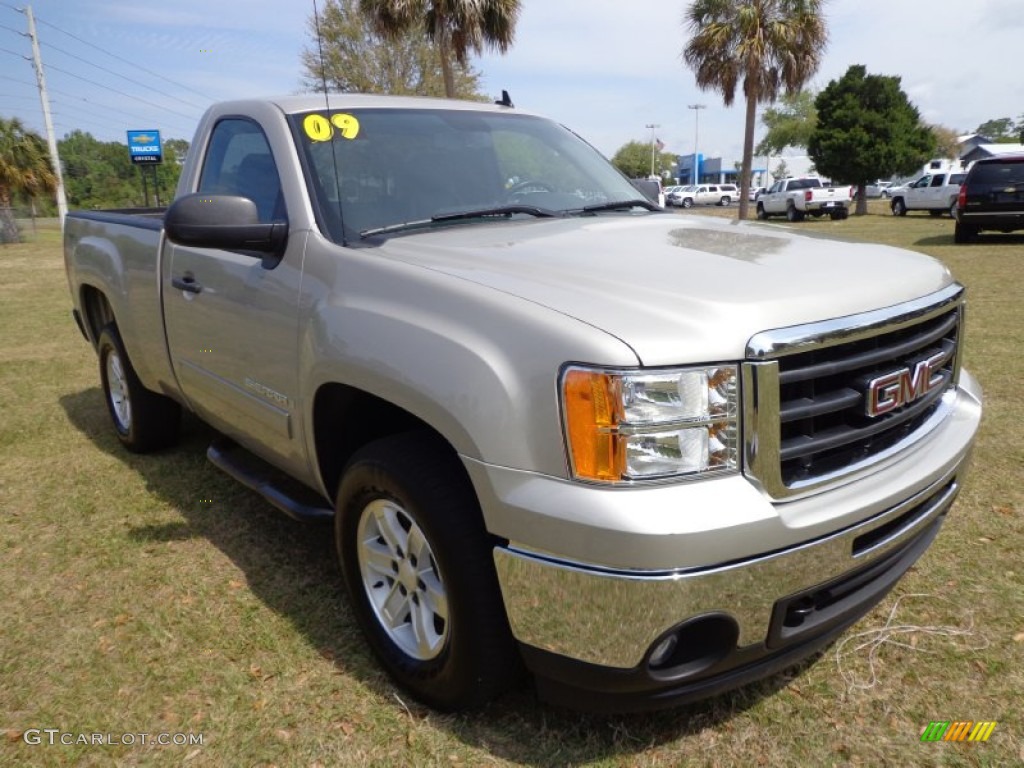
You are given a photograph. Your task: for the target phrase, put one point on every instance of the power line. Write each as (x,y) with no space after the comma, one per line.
(133,64)
(122,93)
(16,80)
(123,77)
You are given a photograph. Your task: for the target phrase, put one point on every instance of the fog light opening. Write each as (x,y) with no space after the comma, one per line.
(693,647)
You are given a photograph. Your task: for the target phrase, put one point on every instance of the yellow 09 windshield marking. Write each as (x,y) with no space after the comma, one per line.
(319,128)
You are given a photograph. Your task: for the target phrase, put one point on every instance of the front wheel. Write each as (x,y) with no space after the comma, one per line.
(144,420)
(762,214)
(419,572)
(725,201)
(899,208)
(952,209)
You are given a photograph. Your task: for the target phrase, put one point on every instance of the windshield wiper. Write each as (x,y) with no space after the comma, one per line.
(499,210)
(395,228)
(503,210)
(619,205)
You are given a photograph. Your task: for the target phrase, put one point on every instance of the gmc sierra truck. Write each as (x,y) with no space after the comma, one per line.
(797,198)
(645,457)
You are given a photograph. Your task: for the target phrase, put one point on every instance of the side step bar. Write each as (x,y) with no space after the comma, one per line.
(295,500)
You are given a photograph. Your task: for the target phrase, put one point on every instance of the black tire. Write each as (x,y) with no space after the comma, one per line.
(899,208)
(687,202)
(963,234)
(413,486)
(792,214)
(952,210)
(762,214)
(935,213)
(143,420)
(725,201)
(837,215)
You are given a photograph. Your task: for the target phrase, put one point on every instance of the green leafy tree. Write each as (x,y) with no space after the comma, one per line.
(763,46)
(456,27)
(634,159)
(357,59)
(1001,130)
(789,125)
(867,128)
(24,170)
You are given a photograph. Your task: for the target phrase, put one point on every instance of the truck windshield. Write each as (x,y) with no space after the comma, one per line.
(377,170)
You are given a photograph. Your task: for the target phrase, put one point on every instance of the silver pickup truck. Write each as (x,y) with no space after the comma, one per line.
(645,457)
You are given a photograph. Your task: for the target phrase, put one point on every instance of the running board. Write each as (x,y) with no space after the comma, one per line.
(295,500)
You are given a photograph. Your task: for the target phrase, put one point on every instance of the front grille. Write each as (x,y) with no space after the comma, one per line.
(823,401)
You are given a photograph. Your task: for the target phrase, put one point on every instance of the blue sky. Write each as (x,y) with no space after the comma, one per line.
(604,69)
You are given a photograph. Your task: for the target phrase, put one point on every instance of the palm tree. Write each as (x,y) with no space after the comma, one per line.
(24,169)
(769,45)
(456,27)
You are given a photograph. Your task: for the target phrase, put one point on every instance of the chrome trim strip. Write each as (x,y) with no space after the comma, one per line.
(829,333)
(568,607)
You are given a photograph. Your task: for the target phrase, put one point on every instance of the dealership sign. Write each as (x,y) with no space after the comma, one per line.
(144,146)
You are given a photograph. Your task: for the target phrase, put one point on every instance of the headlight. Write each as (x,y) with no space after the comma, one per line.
(624,425)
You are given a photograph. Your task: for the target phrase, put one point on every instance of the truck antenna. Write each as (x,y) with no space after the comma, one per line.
(327,106)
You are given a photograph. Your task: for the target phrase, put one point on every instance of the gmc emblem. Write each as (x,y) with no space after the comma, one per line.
(890,391)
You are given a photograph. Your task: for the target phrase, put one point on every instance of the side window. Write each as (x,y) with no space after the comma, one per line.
(239,162)
(938,181)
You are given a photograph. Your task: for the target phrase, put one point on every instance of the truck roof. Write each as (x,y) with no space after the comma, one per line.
(292,104)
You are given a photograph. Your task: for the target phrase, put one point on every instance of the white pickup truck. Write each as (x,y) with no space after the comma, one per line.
(936,193)
(807,196)
(646,457)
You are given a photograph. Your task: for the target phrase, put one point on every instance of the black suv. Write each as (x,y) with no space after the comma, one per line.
(991,197)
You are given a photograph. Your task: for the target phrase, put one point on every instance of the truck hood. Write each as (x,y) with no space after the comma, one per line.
(676,289)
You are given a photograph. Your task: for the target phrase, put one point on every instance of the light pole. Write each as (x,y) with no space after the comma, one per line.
(653,127)
(696,137)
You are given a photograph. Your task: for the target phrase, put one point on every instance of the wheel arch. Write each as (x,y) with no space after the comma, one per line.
(346,418)
(97,311)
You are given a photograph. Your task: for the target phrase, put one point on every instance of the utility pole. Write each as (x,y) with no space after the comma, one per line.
(51,139)
(653,127)
(696,138)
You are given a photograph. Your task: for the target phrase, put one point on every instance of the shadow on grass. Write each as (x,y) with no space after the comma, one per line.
(290,567)
(985,238)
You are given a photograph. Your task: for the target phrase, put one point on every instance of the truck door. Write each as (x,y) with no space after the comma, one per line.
(231,316)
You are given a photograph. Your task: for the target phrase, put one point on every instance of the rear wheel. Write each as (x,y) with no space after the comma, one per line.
(687,202)
(792,214)
(144,420)
(935,213)
(952,209)
(419,572)
(964,234)
(725,201)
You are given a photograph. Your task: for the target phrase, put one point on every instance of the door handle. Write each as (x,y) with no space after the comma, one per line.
(186,283)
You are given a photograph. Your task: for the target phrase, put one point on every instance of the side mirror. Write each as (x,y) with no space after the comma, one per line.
(223,221)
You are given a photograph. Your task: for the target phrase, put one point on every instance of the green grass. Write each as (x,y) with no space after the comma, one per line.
(153,594)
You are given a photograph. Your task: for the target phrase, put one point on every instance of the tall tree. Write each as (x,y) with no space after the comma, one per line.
(868,129)
(789,125)
(456,27)
(357,59)
(24,169)
(767,45)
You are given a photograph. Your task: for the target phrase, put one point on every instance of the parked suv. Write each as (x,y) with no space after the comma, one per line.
(992,197)
(710,194)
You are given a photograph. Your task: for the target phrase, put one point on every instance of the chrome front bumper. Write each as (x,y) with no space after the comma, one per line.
(588,575)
